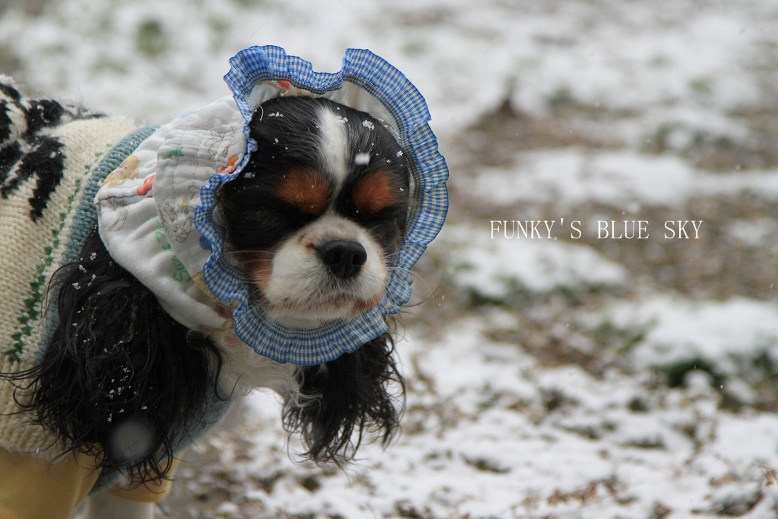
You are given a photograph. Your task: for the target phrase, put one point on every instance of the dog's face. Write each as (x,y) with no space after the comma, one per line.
(317,215)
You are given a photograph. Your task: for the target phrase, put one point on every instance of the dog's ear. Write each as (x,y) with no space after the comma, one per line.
(357,393)
(119,377)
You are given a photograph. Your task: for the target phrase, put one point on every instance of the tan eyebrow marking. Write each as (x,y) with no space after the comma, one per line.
(375,193)
(306,190)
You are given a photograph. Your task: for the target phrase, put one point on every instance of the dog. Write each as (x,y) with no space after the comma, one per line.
(314,219)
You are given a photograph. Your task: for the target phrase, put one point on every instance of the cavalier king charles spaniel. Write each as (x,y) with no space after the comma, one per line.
(313,223)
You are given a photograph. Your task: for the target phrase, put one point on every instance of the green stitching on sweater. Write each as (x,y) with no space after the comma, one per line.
(33,302)
(85,219)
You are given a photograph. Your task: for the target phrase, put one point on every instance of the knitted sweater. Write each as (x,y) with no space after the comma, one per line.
(52,160)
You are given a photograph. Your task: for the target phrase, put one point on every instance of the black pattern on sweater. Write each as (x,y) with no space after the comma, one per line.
(27,149)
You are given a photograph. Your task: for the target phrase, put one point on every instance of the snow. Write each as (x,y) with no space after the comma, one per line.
(719,331)
(495,266)
(625,179)
(538,373)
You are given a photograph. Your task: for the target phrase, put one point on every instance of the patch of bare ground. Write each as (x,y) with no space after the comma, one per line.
(731,254)
(715,152)
(207,484)
(498,136)
(34,7)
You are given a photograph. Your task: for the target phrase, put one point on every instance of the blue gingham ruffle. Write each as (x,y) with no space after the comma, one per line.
(396,95)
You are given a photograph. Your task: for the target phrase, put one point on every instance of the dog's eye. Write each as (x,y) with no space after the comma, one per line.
(379,202)
(376,192)
(305,190)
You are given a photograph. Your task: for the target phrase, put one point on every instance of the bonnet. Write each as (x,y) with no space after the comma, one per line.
(157,215)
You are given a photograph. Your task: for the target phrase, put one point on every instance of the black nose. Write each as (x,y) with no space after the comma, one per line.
(343,257)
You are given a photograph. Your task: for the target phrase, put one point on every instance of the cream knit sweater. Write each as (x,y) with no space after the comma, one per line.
(52,160)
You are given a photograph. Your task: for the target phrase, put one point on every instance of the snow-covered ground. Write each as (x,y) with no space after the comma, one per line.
(555,373)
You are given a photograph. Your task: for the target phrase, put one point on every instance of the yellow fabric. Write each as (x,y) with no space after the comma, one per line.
(32,488)
(150,492)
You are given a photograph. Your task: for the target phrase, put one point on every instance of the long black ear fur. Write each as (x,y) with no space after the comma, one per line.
(352,394)
(120,378)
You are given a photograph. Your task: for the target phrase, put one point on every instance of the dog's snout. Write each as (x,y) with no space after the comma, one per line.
(344,258)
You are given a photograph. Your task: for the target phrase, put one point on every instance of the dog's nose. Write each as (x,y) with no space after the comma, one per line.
(344,258)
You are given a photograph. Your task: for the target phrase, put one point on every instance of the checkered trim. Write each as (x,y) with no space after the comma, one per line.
(361,68)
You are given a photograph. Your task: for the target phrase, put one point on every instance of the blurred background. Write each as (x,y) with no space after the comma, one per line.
(561,374)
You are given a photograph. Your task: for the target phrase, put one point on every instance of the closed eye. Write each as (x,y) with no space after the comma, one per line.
(377,192)
(306,190)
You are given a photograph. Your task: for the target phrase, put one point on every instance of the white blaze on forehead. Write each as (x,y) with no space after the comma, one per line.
(334,144)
